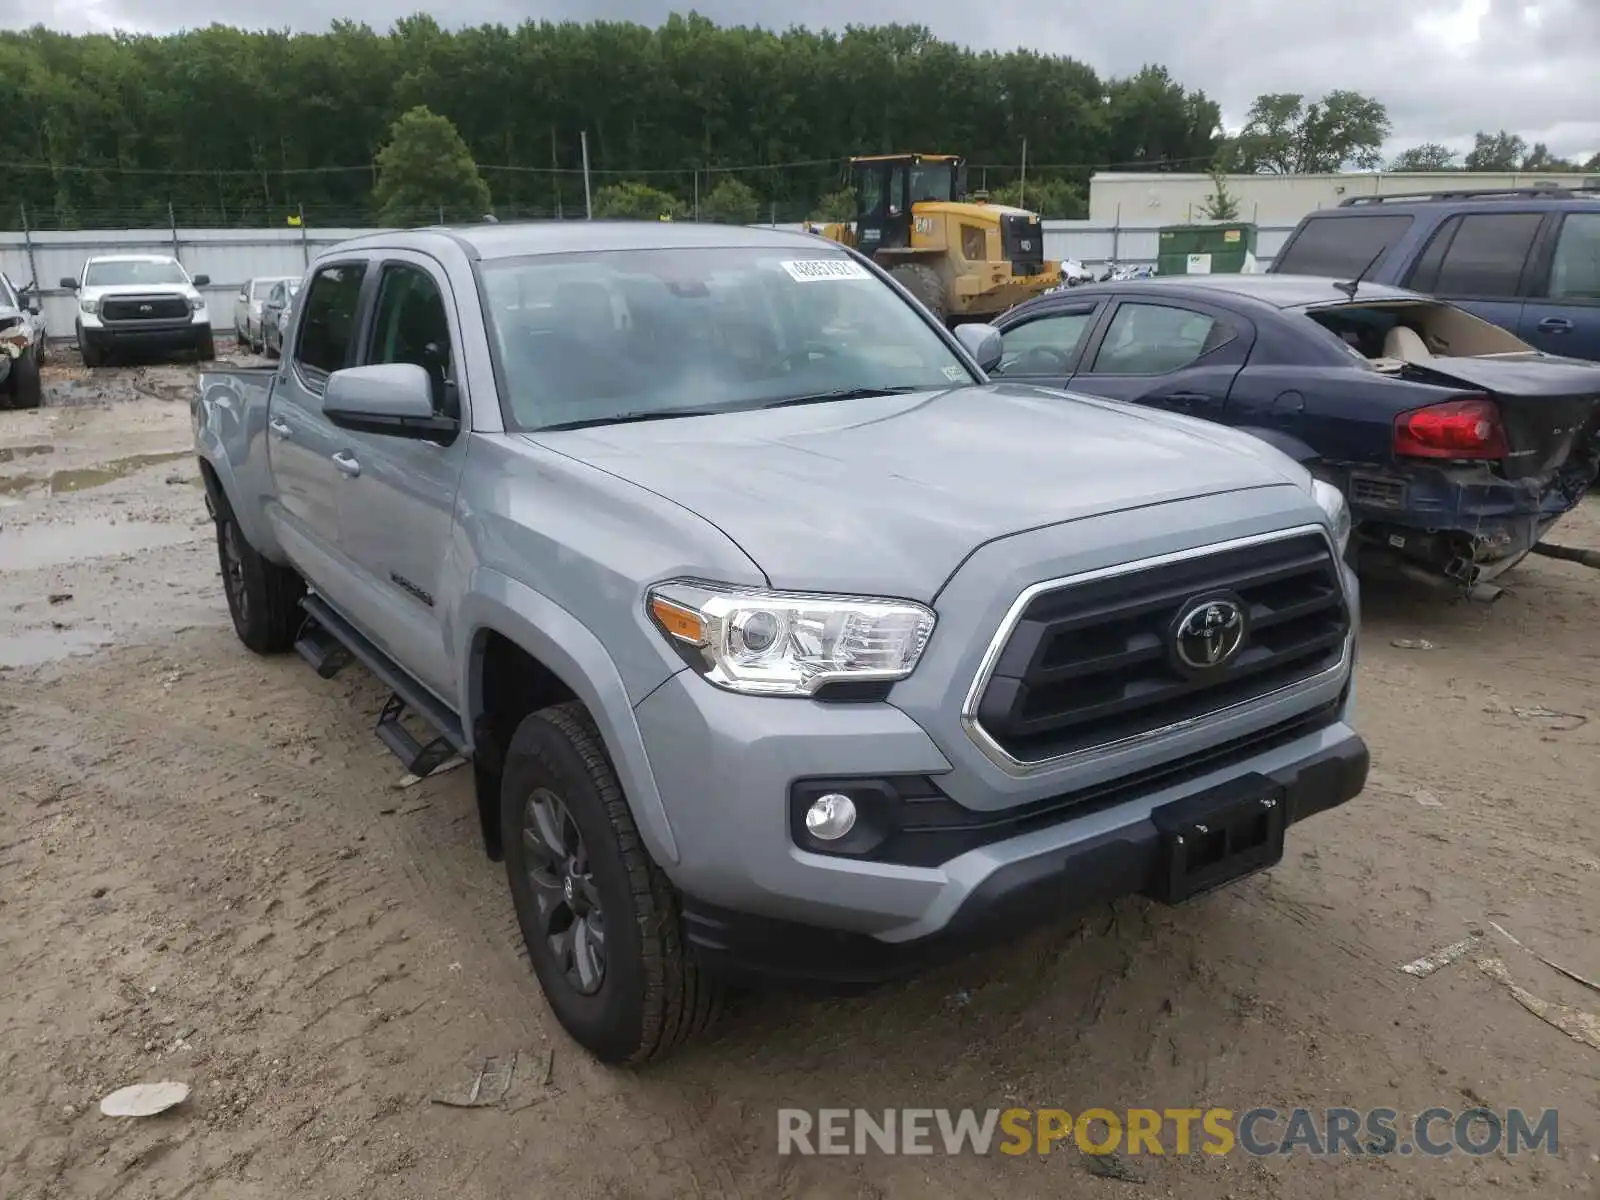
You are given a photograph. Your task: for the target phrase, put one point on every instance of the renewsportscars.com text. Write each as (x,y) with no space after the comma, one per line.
(1376,1132)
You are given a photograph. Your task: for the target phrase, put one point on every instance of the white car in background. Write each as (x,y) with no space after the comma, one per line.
(247,308)
(140,302)
(22,346)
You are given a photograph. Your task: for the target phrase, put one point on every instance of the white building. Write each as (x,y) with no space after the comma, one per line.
(1118,198)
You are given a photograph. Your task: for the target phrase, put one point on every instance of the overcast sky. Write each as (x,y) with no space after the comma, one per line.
(1444,67)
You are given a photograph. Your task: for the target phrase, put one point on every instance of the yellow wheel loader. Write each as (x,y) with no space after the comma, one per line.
(965,260)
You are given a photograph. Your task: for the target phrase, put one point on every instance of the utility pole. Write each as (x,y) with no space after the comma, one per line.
(588,200)
(1022,186)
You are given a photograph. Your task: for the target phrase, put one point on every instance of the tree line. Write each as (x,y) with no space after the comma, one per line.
(228,127)
(244,127)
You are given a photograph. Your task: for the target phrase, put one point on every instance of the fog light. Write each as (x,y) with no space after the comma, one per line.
(830,817)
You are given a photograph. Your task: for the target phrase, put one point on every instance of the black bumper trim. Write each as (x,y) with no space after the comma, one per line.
(1017,897)
(187,334)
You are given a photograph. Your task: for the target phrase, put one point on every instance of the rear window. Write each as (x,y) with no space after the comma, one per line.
(1340,246)
(1480,254)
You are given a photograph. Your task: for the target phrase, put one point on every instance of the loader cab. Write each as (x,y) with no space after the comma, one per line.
(887,186)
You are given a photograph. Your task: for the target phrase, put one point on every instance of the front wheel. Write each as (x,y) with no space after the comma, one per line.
(263,598)
(601,921)
(23,387)
(205,347)
(93,355)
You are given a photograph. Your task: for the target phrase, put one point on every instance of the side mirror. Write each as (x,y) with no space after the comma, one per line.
(389,398)
(984,342)
(244,294)
(70,284)
(202,280)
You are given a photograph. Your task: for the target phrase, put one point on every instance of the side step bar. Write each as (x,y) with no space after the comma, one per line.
(328,642)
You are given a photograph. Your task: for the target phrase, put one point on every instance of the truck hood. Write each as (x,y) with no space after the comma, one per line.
(101,291)
(888,495)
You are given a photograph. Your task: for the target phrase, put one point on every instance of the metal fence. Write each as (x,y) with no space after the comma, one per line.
(231,256)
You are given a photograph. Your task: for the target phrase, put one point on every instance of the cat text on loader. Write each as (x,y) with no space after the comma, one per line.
(965,261)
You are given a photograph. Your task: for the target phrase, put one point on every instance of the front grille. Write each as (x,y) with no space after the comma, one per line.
(1022,242)
(1375,491)
(144,308)
(1095,662)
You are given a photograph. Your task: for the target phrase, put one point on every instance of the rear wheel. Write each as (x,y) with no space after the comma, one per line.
(923,282)
(263,598)
(601,922)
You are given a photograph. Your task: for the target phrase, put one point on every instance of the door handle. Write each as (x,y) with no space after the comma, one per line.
(1187,399)
(347,464)
(279,427)
(1555,325)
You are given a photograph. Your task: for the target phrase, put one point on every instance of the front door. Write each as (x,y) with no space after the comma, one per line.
(1562,313)
(397,510)
(1179,356)
(884,219)
(1044,347)
(301,441)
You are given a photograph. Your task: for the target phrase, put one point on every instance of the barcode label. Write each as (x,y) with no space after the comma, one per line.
(825,268)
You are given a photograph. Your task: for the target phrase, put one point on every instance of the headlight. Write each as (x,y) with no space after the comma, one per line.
(789,643)
(1332,502)
(196,303)
(89,306)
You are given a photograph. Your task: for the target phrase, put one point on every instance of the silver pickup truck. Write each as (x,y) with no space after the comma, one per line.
(784,644)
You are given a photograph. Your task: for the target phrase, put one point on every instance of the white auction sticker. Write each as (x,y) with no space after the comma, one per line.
(825,268)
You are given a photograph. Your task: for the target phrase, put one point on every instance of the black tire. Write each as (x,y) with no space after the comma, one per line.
(923,282)
(93,356)
(205,347)
(651,996)
(263,598)
(23,387)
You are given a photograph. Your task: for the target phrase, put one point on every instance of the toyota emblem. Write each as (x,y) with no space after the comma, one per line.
(1209,633)
(145,308)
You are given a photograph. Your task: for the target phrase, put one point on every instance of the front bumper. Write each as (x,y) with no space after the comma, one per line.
(1023,893)
(176,334)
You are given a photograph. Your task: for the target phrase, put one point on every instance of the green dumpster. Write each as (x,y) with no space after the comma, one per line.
(1225,249)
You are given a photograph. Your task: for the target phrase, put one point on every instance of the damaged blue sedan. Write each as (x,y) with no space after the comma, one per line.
(1457,445)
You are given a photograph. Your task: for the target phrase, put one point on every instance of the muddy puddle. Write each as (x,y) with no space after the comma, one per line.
(80,479)
(64,542)
(31,647)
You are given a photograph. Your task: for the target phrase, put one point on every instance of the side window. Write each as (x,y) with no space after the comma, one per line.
(410,326)
(897,191)
(329,321)
(1046,345)
(1575,271)
(1424,276)
(1486,255)
(1152,339)
(1340,246)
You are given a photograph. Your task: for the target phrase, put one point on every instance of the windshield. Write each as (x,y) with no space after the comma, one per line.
(592,337)
(133,271)
(8,298)
(932,181)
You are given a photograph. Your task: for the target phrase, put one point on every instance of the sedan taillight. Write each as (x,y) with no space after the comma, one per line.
(1466,427)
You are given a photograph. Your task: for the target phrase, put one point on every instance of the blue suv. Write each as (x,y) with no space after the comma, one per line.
(1527,259)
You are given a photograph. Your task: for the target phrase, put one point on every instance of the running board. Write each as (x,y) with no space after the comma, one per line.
(326,629)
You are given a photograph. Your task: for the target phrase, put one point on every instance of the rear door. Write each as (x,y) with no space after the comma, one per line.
(1562,312)
(396,508)
(302,441)
(1481,261)
(1045,346)
(1177,355)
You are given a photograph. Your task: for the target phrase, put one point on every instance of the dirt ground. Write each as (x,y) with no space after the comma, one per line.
(208,874)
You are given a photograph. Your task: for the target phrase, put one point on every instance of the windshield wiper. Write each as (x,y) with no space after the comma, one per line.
(854,393)
(644,414)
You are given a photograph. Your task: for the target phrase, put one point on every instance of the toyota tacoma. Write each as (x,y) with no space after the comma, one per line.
(784,644)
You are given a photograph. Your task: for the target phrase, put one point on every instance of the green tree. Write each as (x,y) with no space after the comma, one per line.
(636,201)
(426,173)
(1284,135)
(1502,151)
(1055,198)
(835,206)
(1430,156)
(1220,204)
(731,202)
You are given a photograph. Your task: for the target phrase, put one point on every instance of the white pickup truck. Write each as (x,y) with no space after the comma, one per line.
(140,302)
